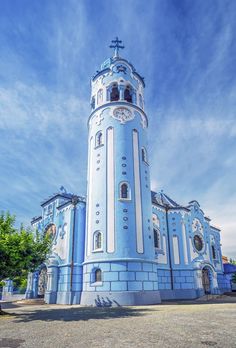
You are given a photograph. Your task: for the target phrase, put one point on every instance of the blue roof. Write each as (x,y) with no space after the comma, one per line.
(162,199)
(56,195)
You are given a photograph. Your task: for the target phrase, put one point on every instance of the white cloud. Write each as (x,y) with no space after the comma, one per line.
(189,161)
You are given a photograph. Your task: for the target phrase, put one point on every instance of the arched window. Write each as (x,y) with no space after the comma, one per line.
(97,240)
(99,96)
(213,250)
(128,94)
(156,220)
(115,95)
(144,155)
(98,139)
(98,275)
(156,236)
(124,191)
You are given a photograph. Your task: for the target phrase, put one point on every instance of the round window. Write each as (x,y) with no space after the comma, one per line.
(198,242)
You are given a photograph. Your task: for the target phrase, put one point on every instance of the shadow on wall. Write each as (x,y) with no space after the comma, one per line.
(79,313)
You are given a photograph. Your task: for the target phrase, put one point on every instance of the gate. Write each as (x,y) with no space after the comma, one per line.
(206,281)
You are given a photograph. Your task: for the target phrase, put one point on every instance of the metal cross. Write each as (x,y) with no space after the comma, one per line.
(116,45)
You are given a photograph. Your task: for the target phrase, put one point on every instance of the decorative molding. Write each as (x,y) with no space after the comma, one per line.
(184,238)
(143,121)
(137,194)
(175,241)
(119,103)
(110,191)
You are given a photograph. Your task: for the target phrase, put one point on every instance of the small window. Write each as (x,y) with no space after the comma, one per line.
(100,96)
(156,220)
(156,238)
(124,191)
(213,252)
(128,94)
(144,155)
(97,241)
(98,275)
(115,95)
(98,139)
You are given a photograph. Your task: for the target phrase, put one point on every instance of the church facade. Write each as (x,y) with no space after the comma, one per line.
(124,244)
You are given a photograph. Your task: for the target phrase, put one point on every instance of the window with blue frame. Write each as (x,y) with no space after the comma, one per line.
(213,250)
(156,235)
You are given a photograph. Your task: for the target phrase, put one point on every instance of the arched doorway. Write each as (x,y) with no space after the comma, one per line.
(206,280)
(42,282)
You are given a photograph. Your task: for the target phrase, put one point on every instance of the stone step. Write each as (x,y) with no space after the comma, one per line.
(231,294)
(210,297)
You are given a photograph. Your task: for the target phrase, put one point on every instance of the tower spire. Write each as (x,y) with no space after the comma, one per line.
(116,44)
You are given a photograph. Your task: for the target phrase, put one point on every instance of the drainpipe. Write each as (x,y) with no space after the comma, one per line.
(74,202)
(169,251)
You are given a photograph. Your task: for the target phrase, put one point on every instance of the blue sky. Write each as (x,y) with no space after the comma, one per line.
(185,50)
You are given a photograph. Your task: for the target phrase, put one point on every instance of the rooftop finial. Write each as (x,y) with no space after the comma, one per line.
(116,45)
(62,189)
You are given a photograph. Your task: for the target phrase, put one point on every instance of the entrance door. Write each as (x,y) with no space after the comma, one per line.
(42,283)
(206,281)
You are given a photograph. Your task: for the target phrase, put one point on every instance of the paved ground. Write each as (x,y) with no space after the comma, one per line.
(166,325)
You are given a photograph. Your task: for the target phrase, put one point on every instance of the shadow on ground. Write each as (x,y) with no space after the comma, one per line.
(11,342)
(77,314)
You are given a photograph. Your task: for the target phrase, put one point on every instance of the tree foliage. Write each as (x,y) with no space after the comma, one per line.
(234,278)
(21,251)
(232,261)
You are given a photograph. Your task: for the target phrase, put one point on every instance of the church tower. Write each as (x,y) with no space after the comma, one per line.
(119,264)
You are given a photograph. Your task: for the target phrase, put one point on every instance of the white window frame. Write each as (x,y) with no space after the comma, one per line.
(95,249)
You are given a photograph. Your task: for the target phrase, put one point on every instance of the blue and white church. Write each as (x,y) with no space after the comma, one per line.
(123,244)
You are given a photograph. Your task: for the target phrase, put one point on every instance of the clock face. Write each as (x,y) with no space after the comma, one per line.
(123,114)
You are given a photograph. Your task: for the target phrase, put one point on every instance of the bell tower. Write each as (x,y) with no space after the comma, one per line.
(119,265)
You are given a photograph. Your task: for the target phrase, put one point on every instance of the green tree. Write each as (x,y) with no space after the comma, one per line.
(234,278)
(232,261)
(21,251)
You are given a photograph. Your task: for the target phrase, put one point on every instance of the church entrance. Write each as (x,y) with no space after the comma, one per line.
(42,282)
(206,281)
